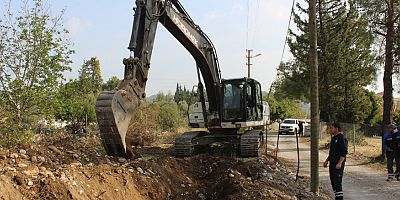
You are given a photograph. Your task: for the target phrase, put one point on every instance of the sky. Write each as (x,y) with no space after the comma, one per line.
(102,29)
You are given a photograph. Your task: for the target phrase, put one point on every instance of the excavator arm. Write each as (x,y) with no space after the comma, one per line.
(115,109)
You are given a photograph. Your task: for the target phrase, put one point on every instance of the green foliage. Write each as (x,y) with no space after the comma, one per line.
(75,101)
(169,117)
(384,21)
(74,104)
(111,84)
(90,76)
(346,63)
(143,125)
(34,54)
(12,132)
(374,117)
(283,107)
(185,97)
(396,117)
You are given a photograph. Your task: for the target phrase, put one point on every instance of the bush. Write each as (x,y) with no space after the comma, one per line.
(12,133)
(169,117)
(143,125)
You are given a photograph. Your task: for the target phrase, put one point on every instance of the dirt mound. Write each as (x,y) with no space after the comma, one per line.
(64,167)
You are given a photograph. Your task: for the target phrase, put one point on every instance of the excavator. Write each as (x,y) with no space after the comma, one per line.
(234,111)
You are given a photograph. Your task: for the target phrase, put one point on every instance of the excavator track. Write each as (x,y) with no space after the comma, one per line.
(184,145)
(252,144)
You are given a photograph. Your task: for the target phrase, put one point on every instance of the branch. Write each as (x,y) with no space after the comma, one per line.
(396,18)
(379,33)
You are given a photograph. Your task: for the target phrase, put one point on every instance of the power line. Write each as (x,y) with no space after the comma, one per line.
(287,32)
(256,21)
(247,24)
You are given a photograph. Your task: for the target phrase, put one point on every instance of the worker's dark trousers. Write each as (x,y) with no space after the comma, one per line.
(390,156)
(336,176)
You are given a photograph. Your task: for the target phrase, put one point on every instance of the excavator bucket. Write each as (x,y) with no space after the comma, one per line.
(114,111)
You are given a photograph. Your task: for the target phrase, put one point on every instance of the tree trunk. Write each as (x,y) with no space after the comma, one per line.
(314,98)
(387,78)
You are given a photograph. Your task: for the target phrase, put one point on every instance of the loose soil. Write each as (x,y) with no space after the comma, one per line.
(67,167)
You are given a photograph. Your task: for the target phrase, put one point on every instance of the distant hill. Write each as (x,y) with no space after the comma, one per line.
(151,98)
(264,93)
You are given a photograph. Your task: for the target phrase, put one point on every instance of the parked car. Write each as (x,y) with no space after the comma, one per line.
(289,126)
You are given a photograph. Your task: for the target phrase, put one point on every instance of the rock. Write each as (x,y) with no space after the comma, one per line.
(183,185)
(140,170)
(231,175)
(42,169)
(90,165)
(3,157)
(80,191)
(30,183)
(130,170)
(22,151)
(71,152)
(151,172)
(41,159)
(73,183)
(118,171)
(269,176)
(24,156)
(14,155)
(55,149)
(19,180)
(11,169)
(76,156)
(121,160)
(31,172)
(76,164)
(34,159)
(63,177)
(201,196)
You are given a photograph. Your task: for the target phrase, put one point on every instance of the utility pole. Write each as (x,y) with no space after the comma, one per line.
(249,56)
(313,59)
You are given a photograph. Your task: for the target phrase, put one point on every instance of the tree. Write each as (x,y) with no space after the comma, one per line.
(185,98)
(169,117)
(384,17)
(75,101)
(73,104)
(111,84)
(34,53)
(282,106)
(90,76)
(345,59)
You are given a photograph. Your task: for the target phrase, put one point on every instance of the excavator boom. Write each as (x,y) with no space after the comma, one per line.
(115,109)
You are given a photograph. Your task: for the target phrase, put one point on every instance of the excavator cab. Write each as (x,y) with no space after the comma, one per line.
(241,101)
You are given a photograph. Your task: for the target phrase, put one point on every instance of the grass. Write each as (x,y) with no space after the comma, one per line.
(366,153)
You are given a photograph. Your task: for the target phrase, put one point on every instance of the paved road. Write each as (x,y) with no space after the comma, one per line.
(359,181)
